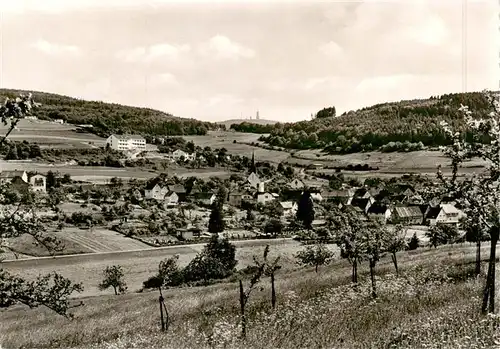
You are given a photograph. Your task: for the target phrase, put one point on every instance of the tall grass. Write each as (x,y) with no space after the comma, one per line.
(426,307)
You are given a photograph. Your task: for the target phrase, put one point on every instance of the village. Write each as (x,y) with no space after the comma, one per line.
(260,201)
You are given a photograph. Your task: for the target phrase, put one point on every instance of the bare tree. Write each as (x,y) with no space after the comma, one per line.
(245,294)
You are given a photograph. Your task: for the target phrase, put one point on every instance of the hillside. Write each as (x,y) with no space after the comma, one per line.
(396,126)
(110,118)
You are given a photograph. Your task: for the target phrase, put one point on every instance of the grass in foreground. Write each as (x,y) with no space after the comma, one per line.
(426,307)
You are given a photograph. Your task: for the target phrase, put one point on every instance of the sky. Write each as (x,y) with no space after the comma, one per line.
(222,60)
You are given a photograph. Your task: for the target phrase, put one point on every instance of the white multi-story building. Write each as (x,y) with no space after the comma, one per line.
(126,142)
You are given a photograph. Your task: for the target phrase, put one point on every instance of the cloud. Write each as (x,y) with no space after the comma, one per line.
(331,49)
(383,82)
(163,80)
(324,82)
(55,49)
(221,47)
(153,52)
(223,99)
(429,30)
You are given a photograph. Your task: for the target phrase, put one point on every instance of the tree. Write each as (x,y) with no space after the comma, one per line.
(250,216)
(480,193)
(349,228)
(474,233)
(51,290)
(216,261)
(442,234)
(273,227)
(216,223)
(113,277)
(305,210)
(66,179)
(395,242)
(50,180)
(12,153)
(414,242)
(315,255)
(372,241)
(326,113)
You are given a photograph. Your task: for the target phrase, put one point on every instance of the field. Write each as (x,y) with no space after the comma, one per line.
(424,160)
(50,134)
(315,310)
(138,264)
(225,140)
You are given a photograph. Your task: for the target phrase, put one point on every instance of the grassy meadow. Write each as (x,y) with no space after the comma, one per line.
(431,304)
(138,264)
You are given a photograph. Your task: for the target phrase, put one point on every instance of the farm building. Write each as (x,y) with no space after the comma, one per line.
(38,183)
(171,199)
(289,208)
(126,142)
(443,214)
(155,191)
(205,198)
(363,204)
(235,199)
(264,198)
(180,190)
(379,212)
(8,176)
(180,154)
(411,215)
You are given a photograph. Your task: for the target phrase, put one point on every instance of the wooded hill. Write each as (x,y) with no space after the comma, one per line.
(396,126)
(110,118)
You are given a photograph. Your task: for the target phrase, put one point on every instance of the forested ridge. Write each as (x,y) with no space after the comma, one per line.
(396,126)
(108,118)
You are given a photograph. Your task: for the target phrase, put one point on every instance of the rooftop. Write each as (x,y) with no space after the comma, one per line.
(127,137)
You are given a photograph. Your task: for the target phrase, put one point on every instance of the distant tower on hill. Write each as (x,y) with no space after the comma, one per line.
(257,116)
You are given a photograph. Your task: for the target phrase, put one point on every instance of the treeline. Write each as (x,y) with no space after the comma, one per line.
(249,127)
(108,118)
(400,126)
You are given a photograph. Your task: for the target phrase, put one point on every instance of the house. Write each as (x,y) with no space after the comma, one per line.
(296,184)
(170,199)
(205,198)
(235,198)
(380,212)
(19,185)
(316,197)
(362,193)
(289,208)
(155,191)
(362,203)
(264,198)
(8,176)
(180,154)
(38,183)
(179,190)
(411,215)
(126,142)
(443,214)
(253,180)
